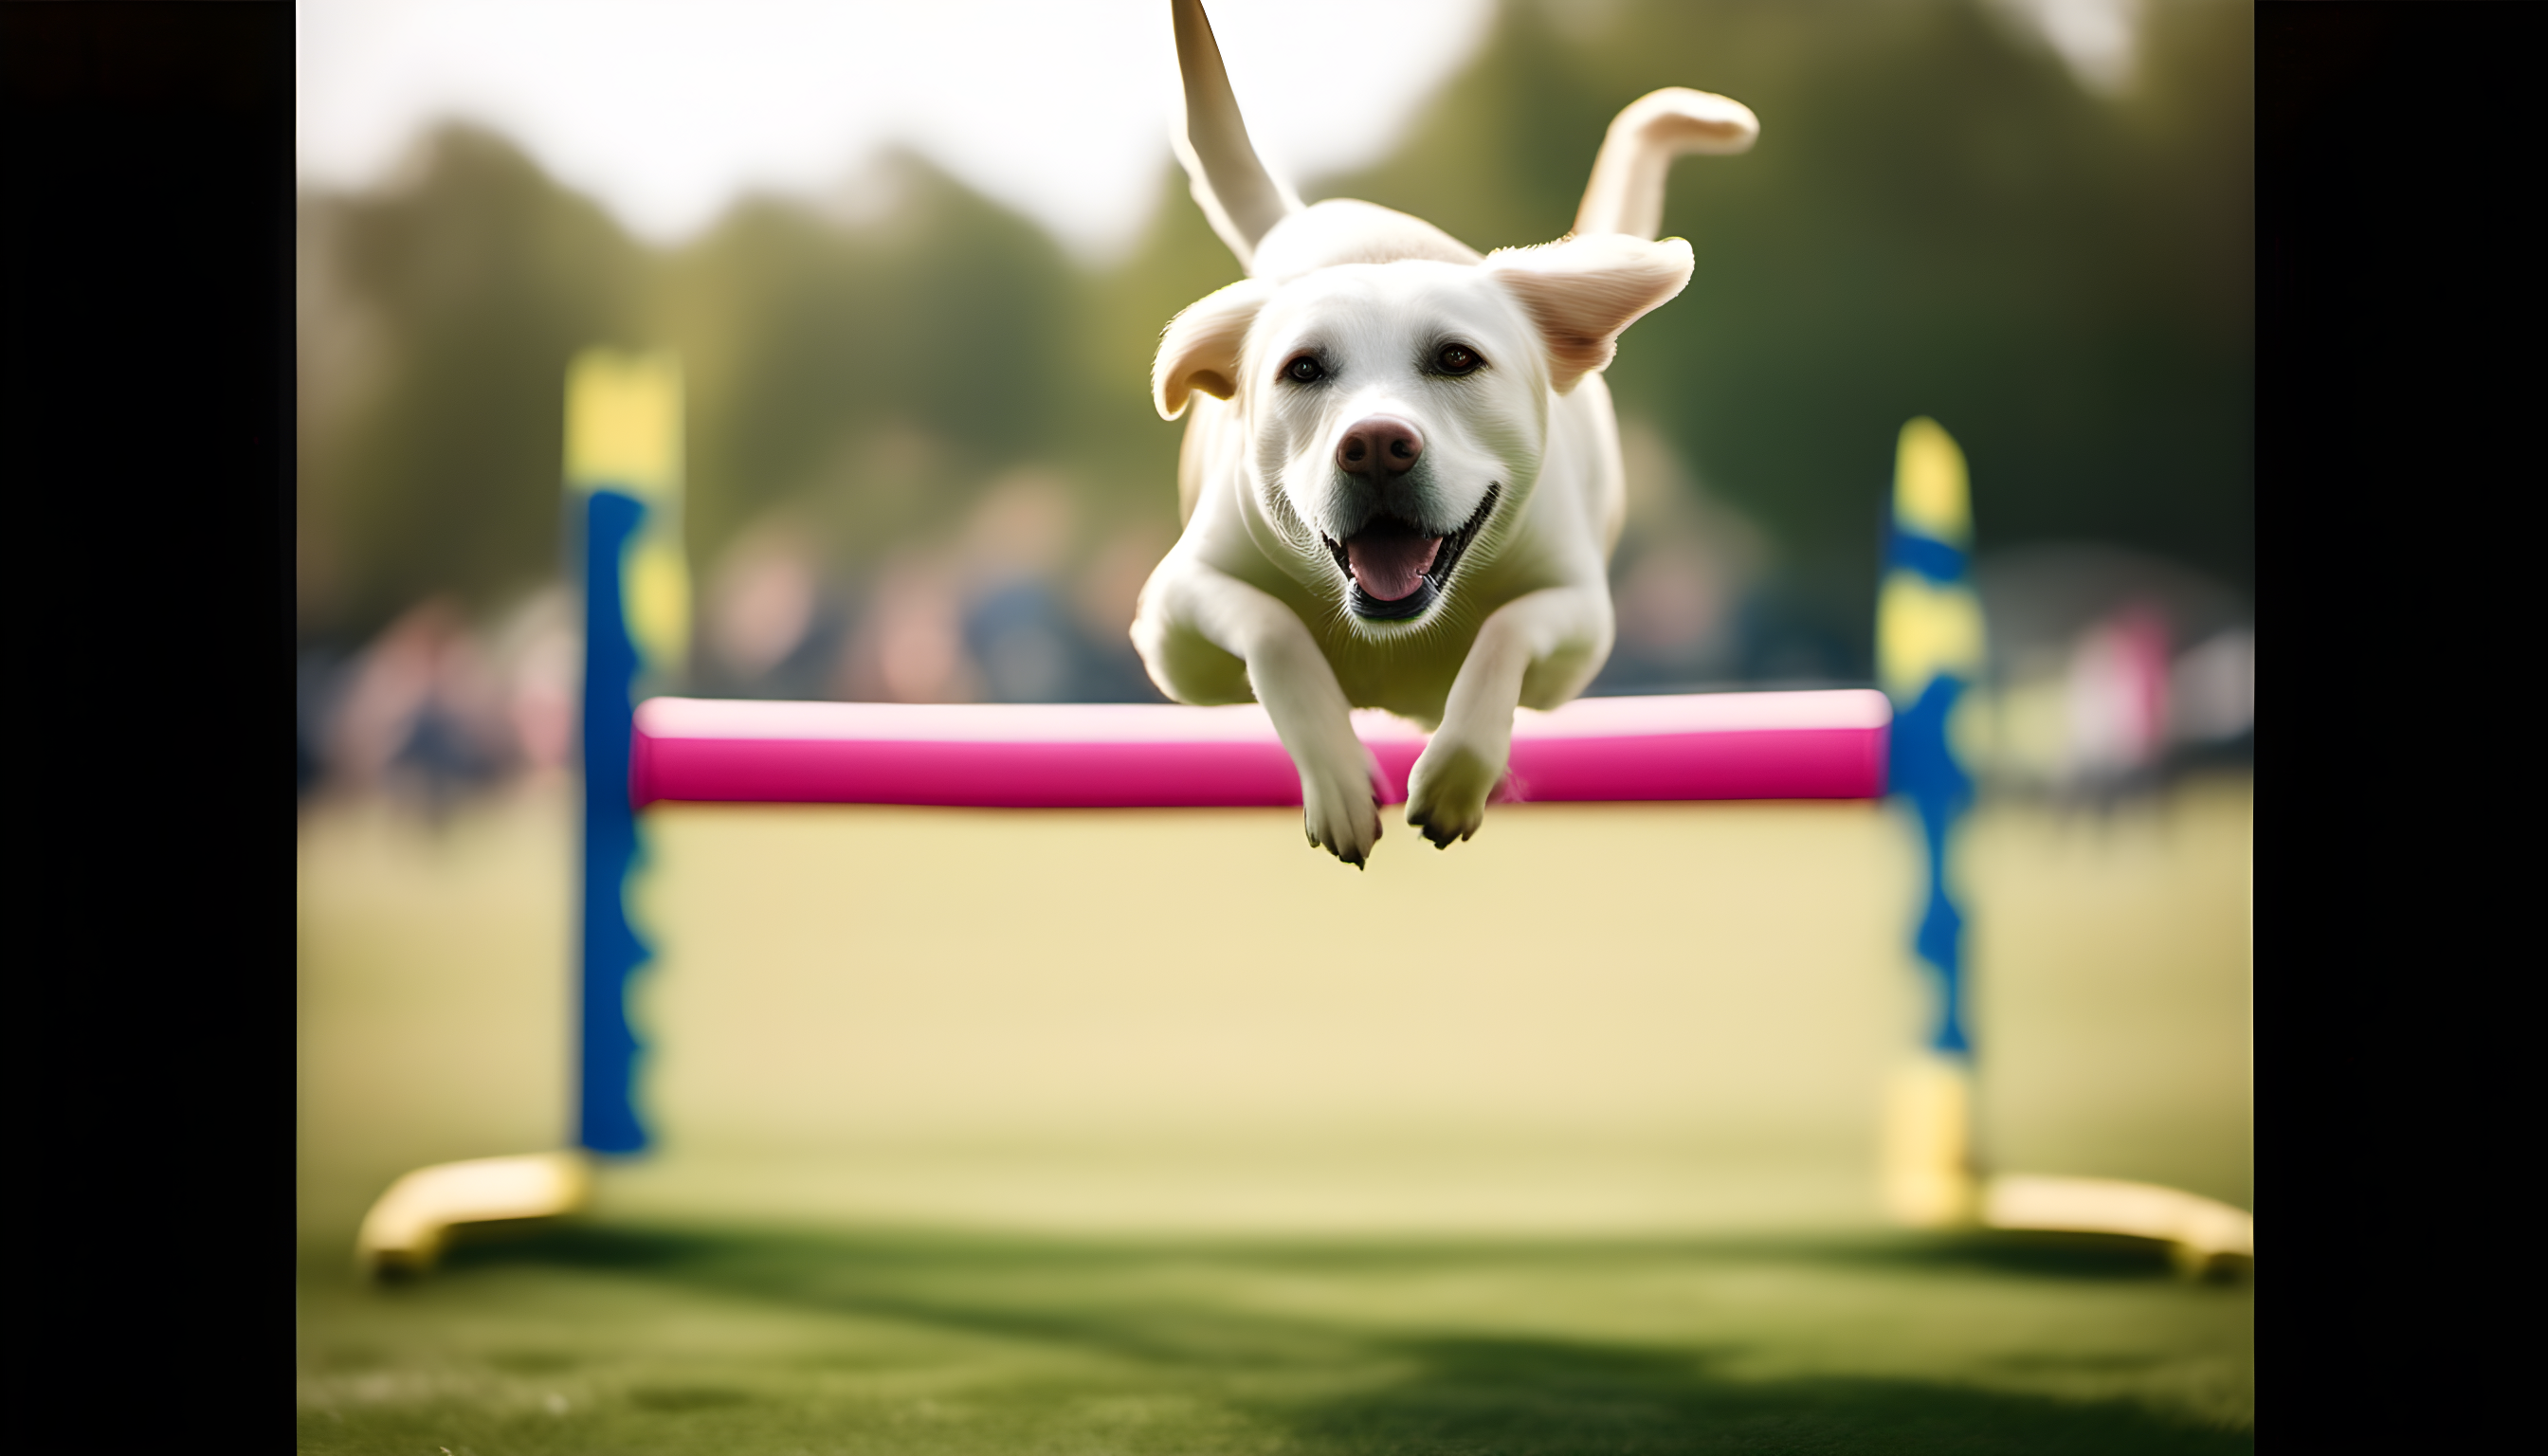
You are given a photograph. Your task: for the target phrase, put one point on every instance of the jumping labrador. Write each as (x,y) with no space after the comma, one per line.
(1400,475)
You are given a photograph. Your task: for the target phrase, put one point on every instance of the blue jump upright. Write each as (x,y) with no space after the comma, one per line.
(623,486)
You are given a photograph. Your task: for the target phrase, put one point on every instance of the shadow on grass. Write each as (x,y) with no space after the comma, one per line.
(747,1255)
(1523,1398)
(1335,1390)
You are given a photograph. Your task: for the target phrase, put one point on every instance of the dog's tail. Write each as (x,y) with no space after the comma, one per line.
(1242,200)
(1626,193)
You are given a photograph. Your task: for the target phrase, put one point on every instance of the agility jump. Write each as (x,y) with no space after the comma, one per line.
(623,484)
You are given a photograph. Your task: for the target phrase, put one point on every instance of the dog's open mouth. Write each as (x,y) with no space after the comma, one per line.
(1396,571)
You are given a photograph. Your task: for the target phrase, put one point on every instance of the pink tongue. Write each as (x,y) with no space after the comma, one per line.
(1390,567)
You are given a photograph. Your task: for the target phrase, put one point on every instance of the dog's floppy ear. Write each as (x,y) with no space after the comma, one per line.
(1582,292)
(1200,349)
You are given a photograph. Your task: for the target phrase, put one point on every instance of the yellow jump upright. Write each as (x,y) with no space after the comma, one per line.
(1931,652)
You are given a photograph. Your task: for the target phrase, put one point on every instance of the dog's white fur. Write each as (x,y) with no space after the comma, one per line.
(1252,602)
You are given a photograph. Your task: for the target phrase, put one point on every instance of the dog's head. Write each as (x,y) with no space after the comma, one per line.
(1397,411)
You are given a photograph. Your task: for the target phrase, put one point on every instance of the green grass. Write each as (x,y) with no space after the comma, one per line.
(1594,1179)
(657,1339)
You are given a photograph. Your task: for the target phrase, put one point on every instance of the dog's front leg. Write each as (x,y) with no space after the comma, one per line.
(1540,649)
(1200,615)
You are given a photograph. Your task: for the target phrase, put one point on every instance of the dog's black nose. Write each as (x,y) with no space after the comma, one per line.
(1379,449)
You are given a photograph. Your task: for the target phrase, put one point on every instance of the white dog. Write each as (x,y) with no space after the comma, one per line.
(1404,487)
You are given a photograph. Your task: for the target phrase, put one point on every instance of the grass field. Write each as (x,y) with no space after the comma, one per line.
(1132,1131)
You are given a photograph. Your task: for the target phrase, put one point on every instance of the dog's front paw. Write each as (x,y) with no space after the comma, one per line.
(1446,795)
(1341,805)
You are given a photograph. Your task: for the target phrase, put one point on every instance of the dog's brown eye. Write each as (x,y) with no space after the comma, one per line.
(1305,370)
(1456,359)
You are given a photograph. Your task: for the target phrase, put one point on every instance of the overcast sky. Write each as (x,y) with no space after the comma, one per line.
(665,109)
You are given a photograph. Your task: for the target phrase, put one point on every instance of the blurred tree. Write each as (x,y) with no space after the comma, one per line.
(466,291)
(880,365)
(1940,219)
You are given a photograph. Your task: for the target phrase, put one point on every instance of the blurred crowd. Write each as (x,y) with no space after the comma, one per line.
(1020,605)
(2110,670)
(438,707)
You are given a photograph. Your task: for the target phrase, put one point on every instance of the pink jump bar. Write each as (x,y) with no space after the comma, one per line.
(1827,745)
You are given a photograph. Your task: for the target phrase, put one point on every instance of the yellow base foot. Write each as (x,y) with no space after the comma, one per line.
(1931,1182)
(1928,1178)
(407,1229)
(2198,1231)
